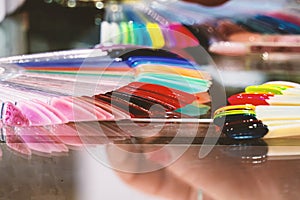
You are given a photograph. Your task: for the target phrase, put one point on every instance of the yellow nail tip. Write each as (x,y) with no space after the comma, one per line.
(235,107)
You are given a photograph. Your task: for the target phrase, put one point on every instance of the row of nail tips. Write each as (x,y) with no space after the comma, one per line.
(156,96)
(270,110)
(144,26)
(257,33)
(174,72)
(67,77)
(61,110)
(165,80)
(240,39)
(248,33)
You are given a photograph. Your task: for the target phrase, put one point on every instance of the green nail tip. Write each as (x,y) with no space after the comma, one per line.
(182,83)
(264,89)
(193,110)
(131,33)
(125,32)
(234,112)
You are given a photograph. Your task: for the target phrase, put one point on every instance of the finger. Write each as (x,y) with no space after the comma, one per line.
(223,177)
(159,182)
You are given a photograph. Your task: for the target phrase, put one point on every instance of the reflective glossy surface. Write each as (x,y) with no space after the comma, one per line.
(153,171)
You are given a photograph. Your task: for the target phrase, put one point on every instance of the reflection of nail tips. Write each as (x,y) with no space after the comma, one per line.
(250,151)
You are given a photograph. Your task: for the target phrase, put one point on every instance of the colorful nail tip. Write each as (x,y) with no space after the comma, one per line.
(264,110)
(13,116)
(194,110)
(249,98)
(245,129)
(59,122)
(241,126)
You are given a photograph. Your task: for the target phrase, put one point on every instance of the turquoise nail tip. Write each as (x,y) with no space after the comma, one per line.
(194,111)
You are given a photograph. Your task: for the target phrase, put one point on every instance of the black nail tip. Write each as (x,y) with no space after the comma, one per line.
(220,121)
(205,34)
(241,126)
(240,131)
(136,51)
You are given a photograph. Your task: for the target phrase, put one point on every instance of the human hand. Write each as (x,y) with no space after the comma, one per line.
(219,175)
(9,6)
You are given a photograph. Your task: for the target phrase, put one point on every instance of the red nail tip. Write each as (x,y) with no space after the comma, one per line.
(248,98)
(182,36)
(163,91)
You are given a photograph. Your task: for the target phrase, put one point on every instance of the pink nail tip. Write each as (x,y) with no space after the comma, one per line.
(33,114)
(13,116)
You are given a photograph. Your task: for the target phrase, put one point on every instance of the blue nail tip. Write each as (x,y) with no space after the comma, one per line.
(134,61)
(282,26)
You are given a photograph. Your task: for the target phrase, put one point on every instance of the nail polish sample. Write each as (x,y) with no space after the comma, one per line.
(72,111)
(51,109)
(222,120)
(256,25)
(194,109)
(185,84)
(135,61)
(159,90)
(283,27)
(33,114)
(129,108)
(205,34)
(249,98)
(286,17)
(126,53)
(98,112)
(118,114)
(172,69)
(140,102)
(203,97)
(48,113)
(13,116)
(245,128)
(241,126)
(170,99)
(156,35)
(182,36)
